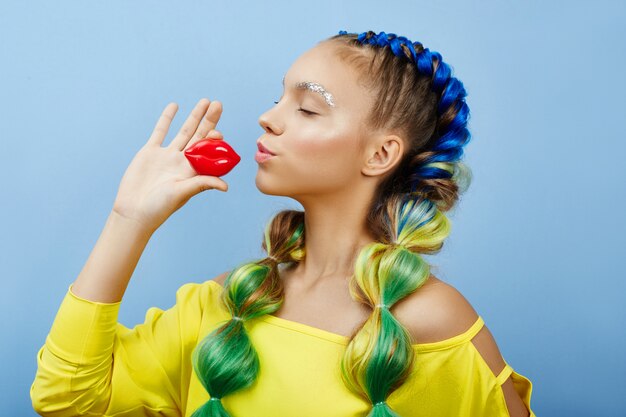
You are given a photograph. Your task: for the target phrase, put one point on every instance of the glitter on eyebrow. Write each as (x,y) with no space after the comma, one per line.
(316,88)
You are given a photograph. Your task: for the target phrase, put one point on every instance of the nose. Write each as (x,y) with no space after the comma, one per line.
(268,124)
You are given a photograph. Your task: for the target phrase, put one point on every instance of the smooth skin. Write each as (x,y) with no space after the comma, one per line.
(158,181)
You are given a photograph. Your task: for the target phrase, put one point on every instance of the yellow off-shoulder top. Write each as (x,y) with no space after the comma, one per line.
(92,365)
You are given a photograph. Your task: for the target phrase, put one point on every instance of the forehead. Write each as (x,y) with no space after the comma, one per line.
(320,65)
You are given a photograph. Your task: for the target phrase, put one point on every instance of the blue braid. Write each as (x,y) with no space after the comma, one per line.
(453,136)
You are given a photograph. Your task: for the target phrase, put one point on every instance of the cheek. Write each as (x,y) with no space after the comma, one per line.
(330,158)
(324,144)
(319,159)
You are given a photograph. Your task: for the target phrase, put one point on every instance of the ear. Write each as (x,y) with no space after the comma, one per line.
(382,154)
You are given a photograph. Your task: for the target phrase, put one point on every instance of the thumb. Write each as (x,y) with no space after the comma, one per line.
(199,183)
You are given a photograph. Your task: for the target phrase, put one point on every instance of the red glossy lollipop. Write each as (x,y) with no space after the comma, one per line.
(212,157)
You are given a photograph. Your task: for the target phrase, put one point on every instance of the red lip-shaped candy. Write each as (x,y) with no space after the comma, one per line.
(212,157)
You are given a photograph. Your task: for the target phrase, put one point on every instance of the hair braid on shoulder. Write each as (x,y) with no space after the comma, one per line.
(407,214)
(225,360)
(380,356)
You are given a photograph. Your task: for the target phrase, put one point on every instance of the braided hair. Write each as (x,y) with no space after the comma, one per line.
(421,99)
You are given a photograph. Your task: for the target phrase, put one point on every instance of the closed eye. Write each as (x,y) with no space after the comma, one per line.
(307,112)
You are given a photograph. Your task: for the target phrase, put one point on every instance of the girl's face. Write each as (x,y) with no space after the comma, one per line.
(320,152)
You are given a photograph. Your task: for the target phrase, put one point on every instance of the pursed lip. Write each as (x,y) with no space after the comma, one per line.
(264,149)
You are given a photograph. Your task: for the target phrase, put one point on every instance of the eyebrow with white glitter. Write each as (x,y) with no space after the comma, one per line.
(316,88)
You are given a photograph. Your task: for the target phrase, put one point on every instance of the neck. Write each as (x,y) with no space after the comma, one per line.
(335,232)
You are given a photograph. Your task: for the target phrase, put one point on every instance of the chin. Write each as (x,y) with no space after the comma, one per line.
(271,186)
(266,185)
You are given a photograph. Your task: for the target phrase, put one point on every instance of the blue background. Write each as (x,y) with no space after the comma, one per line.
(536,240)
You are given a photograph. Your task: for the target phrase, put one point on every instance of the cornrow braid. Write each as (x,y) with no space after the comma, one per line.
(440,161)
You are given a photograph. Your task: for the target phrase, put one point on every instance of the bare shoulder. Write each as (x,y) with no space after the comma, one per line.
(438,311)
(221,278)
(435,312)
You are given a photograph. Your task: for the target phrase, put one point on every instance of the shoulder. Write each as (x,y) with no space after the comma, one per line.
(435,312)
(221,278)
(194,294)
(438,311)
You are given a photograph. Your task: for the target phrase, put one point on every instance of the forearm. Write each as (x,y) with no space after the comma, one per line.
(110,265)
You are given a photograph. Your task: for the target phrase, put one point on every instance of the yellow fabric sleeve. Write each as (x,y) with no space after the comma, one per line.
(92,365)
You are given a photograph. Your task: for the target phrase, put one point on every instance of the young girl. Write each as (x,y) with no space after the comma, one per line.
(343,317)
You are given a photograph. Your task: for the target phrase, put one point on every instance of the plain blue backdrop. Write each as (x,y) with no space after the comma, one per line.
(538,241)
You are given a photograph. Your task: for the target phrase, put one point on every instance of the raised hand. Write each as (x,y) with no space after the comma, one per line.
(159,180)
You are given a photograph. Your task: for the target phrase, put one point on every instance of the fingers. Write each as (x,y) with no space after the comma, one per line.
(208,124)
(212,134)
(191,125)
(199,183)
(163,125)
